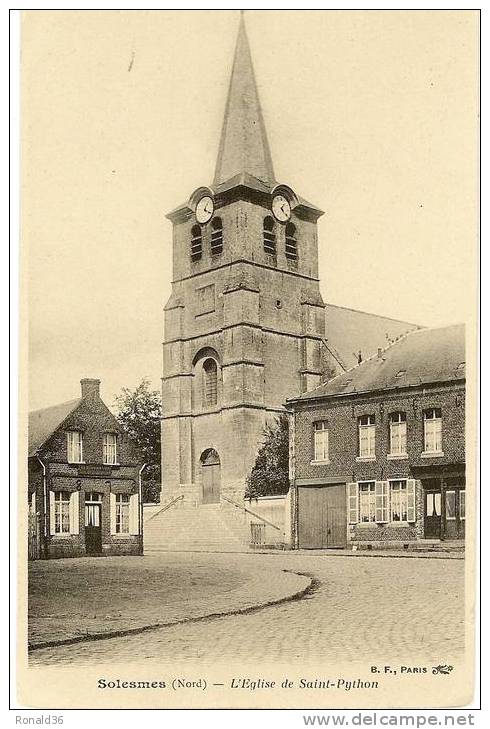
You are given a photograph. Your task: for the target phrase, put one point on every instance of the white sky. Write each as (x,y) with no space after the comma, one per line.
(370,115)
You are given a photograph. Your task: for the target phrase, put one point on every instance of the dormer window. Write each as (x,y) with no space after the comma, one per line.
(216,236)
(196,243)
(269,236)
(291,243)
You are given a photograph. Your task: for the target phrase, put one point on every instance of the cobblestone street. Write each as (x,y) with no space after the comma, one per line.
(364,607)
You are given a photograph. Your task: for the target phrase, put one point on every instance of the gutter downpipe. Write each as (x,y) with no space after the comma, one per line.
(45,503)
(140,507)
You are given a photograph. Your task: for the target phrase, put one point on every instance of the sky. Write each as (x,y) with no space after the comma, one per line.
(370,115)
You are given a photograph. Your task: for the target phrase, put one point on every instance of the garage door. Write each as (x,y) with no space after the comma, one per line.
(322,521)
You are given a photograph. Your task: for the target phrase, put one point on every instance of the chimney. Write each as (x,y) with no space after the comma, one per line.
(380,352)
(90,387)
(359,357)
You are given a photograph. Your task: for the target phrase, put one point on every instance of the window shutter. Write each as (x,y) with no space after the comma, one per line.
(353,493)
(381,494)
(74,513)
(51,512)
(133,514)
(113,513)
(410,499)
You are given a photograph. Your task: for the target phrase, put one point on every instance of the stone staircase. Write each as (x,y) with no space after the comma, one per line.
(188,528)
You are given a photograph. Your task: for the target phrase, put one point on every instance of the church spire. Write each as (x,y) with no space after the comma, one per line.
(243,145)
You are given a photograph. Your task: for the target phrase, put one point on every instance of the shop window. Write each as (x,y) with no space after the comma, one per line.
(450,505)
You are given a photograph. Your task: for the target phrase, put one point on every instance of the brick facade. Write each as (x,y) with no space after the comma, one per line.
(440,473)
(50,473)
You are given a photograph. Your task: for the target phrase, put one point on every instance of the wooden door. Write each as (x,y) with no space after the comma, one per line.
(93,529)
(432,516)
(211,478)
(322,517)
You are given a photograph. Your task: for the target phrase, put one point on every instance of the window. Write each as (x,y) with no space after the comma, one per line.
(291,243)
(269,236)
(367,502)
(402,500)
(367,436)
(210,383)
(61,512)
(205,299)
(110,448)
(216,236)
(196,243)
(398,434)
(321,440)
(450,505)
(462,504)
(399,505)
(74,439)
(122,513)
(433,431)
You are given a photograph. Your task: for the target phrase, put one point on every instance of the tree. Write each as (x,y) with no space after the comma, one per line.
(139,412)
(270,474)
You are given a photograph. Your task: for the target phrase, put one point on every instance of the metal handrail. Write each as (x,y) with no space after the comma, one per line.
(165,507)
(257,516)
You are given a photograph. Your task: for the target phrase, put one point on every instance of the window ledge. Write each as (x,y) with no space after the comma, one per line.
(365,459)
(76,463)
(111,464)
(63,536)
(319,463)
(123,535)
(397,457)
(432,454)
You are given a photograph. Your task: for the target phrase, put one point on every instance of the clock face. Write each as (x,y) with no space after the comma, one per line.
(204,209)
(281,208)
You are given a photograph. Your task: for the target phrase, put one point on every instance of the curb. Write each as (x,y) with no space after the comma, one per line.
(312,586)
(322,553)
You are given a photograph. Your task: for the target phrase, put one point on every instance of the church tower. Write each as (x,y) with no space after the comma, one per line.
(245,321)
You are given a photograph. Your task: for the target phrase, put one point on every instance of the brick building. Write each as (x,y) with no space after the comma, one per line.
(378,454)
(246,325)
(84,481)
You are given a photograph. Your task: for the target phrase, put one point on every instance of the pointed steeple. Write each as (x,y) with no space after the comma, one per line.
(243,145)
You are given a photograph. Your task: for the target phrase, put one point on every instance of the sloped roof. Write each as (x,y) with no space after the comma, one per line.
(43,423)
(243,145)
(349,331)
(421,357)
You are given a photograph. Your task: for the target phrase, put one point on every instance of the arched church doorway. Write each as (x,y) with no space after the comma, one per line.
(210,476)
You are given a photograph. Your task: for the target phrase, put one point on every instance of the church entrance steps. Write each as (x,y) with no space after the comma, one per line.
(206,528)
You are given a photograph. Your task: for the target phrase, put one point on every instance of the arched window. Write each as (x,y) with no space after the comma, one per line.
(210,383)
(269,236)
(216,236)
(196,243)
(291,243)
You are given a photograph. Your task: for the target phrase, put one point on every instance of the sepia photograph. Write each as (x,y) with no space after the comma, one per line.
(249,327)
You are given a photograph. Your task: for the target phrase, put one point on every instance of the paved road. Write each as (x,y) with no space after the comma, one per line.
(364,608)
